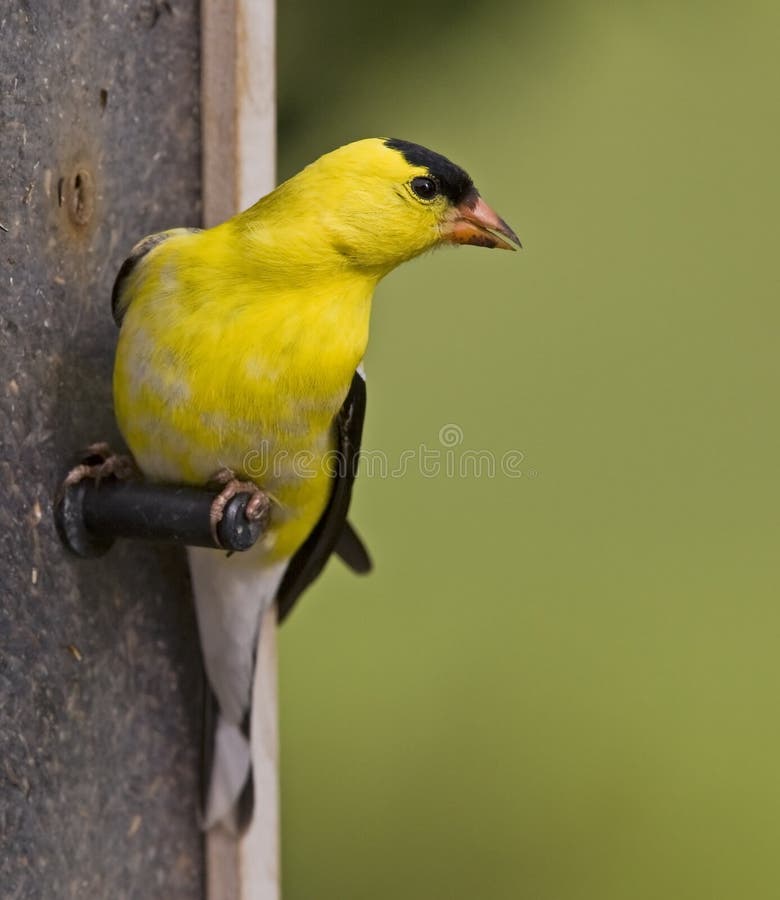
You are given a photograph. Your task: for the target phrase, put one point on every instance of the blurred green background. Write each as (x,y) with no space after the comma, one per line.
(562,686)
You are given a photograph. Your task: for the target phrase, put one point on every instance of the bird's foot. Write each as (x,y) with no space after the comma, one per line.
(100,461)
(231,486)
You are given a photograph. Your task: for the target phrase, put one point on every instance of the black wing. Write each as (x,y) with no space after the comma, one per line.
(332,533)
(352,551)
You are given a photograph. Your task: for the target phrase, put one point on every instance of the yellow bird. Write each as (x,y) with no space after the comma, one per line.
(239,358)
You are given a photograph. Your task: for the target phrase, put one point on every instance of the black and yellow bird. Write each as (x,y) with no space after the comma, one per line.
(240,352)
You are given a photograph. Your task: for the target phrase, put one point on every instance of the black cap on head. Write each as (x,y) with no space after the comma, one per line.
(455,183)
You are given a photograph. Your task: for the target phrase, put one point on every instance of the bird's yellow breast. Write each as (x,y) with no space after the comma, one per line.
(222,362)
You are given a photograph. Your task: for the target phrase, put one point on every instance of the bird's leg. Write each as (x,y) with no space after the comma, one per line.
(100,462)
(231,486)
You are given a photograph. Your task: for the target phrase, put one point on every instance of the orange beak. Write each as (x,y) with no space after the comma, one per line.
(472,221)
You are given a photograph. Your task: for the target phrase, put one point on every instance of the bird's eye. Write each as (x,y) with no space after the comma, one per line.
(425,188)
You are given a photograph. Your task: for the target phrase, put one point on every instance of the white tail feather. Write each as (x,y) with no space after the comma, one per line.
(229,772)
(231,596)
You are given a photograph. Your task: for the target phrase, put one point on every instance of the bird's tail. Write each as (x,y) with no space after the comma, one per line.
(232,595)
(228,775)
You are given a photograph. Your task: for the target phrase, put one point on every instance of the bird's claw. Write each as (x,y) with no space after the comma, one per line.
(100,461)
(231,486)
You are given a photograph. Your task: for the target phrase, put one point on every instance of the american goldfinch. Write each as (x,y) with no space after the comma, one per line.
(239,357)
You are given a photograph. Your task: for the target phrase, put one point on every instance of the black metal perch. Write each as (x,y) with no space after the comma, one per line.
(90,516)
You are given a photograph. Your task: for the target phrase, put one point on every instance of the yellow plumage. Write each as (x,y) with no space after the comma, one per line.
(239,344)
(214,369)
